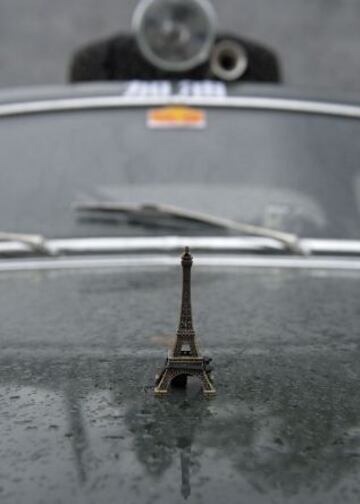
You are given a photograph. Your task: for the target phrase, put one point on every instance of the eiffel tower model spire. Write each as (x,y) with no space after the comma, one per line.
(185,359)
(185,343)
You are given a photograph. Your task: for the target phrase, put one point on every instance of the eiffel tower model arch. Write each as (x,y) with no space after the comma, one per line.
(184,359)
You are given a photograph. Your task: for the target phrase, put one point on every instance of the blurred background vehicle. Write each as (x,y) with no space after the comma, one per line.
(317,42)
(175,40)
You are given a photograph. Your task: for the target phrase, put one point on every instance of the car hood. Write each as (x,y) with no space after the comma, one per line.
(79,352)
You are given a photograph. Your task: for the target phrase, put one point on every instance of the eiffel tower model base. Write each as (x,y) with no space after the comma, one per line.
(178,369)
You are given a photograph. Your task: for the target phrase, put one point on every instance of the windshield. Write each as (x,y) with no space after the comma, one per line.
(292,172)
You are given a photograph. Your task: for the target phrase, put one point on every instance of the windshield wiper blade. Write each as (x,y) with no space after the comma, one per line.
(37,243)
(143,212)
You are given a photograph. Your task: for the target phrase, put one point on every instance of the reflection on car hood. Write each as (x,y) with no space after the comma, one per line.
(79,423)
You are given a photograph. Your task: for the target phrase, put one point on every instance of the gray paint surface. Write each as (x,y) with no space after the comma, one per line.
(318,41)
(79,425)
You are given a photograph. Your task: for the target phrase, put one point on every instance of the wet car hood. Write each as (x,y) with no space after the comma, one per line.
(79,423)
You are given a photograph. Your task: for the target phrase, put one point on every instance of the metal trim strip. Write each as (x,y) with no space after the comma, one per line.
(165,261)
(237,102)
(101,245)
(174,243)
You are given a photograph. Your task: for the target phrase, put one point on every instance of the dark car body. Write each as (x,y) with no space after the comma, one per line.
(84,331)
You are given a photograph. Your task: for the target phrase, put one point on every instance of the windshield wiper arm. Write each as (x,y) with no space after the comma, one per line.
(37,243)
(142,212)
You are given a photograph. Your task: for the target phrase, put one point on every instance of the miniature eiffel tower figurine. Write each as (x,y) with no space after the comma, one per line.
(185,359)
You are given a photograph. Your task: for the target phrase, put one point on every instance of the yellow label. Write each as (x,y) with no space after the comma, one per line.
(176,117)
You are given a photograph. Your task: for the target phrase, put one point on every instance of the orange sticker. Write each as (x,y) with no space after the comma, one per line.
(176,117)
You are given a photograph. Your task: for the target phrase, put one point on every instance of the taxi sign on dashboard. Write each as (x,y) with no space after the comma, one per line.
(176,117)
